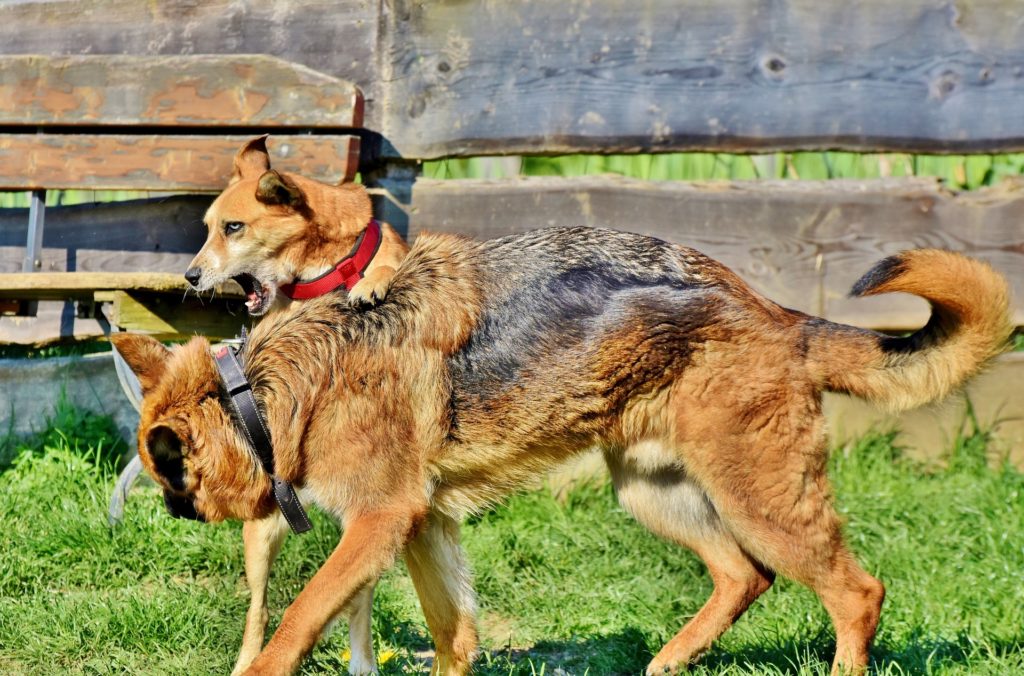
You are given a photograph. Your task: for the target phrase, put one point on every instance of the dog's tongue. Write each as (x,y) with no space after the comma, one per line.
(252,299)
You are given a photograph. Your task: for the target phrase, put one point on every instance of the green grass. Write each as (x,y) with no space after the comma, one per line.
(572,584)
(965,172)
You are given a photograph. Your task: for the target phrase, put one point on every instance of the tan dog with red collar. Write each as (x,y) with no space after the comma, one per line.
(285,238)
(271,230)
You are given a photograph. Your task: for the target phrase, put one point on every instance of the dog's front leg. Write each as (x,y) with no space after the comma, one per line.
(262,540)
(370,544)
(372,288)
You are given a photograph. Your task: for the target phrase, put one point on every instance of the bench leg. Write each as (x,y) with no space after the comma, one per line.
(133,391)
(129,475)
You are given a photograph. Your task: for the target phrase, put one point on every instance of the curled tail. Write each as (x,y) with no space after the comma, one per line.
(970,324)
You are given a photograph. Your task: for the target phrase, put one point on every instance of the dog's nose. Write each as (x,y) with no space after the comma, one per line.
(180,507)
(192,275)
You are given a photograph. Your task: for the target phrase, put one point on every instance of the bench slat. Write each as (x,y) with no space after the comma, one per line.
(181,91)
(86,285)
(169,316)
(157,162)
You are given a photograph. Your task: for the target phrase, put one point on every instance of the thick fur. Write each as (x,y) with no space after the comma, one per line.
(283,228)
(489,362)
(292,228)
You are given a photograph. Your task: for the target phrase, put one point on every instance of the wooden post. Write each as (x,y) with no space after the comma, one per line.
(390,185)
(34,245)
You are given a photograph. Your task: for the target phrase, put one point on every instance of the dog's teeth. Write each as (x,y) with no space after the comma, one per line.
(250,303)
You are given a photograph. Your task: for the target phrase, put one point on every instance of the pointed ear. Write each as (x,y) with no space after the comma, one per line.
(251,160)
(145,355)
(274,188)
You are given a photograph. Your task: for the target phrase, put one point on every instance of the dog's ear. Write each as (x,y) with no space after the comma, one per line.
(274,188)
(251,160)
(146,356)
(167,450)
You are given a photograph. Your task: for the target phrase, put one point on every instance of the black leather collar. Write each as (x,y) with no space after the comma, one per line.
(255,430)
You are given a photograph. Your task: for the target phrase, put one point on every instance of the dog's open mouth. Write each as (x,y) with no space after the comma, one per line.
(257,294)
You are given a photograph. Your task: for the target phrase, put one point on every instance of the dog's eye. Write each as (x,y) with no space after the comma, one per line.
(232,227)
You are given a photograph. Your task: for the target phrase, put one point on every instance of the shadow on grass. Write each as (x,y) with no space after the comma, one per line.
(626,652)
(623,652)
(918,654)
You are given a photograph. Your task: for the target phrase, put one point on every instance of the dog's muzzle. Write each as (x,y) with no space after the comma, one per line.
(181,507)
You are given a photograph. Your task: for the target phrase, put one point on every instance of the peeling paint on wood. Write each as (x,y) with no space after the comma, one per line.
(183,91)
(159,162)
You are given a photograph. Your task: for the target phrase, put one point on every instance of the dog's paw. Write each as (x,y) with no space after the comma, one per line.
(371,290)
(657,668)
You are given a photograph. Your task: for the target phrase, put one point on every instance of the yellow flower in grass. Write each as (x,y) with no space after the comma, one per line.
(383,657)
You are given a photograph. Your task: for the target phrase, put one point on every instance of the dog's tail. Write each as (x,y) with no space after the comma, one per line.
(970,324)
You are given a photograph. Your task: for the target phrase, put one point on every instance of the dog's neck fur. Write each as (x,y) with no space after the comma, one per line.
(342,213)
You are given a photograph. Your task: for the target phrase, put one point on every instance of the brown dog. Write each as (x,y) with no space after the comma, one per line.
(488,362)
(269,230)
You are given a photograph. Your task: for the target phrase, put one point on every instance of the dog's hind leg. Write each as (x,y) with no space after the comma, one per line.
(671,505)
(438,568)
(262,540)
(772,494)
(360,634)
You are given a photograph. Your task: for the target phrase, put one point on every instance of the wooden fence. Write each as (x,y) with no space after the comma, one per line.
(442,79)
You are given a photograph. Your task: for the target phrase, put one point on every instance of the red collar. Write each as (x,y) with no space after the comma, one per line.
(346,273)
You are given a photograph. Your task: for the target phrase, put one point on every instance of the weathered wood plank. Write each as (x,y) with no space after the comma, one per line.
(606,75)
(76,234)
(239,90)
(64,285)
(96,260)
(612,76)
(171,316)
(159,162)
(801,243)
(335,38)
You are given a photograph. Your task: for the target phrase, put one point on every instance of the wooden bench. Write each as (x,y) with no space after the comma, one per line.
(163,124)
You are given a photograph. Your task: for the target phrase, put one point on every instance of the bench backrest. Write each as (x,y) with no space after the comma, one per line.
(167,123)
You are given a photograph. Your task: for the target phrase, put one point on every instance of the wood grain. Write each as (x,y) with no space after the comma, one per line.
(65,285)
(238,90)
(736,75)
(801,243)
(159,162)
(337,39)
(169,316)
(606,76)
